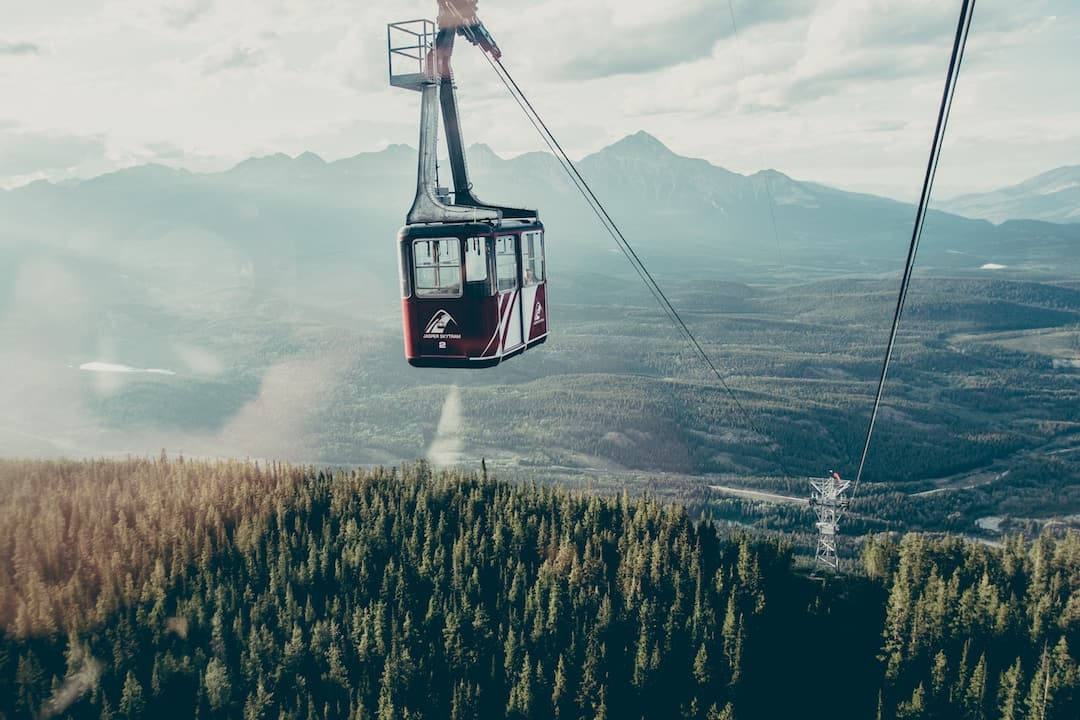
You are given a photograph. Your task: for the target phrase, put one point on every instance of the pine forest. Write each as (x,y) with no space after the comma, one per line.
(196,589)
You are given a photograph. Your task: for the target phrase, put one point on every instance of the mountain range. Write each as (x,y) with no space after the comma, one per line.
(278,215)
(1053,196)
(228,278)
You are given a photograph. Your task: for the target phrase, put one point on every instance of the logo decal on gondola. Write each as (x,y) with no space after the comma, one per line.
(438,325)
(538,316)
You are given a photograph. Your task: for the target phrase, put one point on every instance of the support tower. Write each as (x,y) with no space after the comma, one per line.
(828,500)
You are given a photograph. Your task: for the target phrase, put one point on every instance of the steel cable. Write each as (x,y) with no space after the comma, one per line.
(617,235)
(963,27)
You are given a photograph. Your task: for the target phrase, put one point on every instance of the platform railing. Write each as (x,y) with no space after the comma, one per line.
(408,44)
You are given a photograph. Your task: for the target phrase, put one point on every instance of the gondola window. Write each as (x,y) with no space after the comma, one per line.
(506,262)
(532,256)
(438,267)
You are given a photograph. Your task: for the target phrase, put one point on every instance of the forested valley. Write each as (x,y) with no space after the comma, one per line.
(179,588)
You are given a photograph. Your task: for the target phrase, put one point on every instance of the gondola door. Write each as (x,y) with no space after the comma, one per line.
(533,287)
(509,290)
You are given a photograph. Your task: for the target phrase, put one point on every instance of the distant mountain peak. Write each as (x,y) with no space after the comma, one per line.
(640,143)
(310,158)
(391,150)
(482,151)
(262,161)
(146,172)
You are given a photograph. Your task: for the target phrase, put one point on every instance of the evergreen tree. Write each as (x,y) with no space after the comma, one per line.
(1009,692)
(29,684)
(216,684)
(701,666)
(132,702)
(915,706)
(559,688)
(975,696)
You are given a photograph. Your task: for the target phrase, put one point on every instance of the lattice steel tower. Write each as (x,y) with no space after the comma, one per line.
(829,502)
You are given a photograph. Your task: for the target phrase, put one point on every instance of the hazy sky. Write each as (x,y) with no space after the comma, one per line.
(843,92)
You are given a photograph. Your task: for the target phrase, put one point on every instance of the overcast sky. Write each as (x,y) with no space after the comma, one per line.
(843,92)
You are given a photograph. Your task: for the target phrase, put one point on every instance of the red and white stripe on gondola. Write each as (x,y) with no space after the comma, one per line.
(506,314)
(498,339)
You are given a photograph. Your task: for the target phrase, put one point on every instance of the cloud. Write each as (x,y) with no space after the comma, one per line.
(171,17)
(180,14)
(688,34)
(1015,17)
(751,13)
(28,153)
(19,48)
(357,60)
(160,151)
(852,44)
(238,57)
(600,46)
(850,53)
(603,41)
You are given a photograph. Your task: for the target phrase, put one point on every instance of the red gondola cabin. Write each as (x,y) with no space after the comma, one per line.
(473,294)
(473,274)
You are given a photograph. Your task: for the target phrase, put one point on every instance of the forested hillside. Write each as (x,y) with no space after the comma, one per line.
(192,589)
